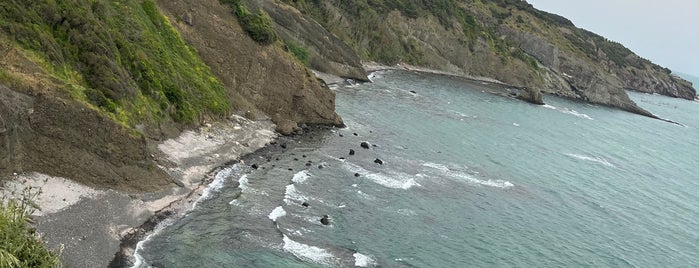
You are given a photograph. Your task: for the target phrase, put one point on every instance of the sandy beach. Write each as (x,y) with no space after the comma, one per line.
(88,224)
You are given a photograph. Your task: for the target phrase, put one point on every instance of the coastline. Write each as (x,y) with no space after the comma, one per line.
(90,225)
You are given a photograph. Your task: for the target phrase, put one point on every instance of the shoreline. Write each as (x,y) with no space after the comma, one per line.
(88,225)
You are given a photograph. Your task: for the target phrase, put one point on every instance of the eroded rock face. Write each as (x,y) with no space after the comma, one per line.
(61,137)
(327,53)
(265,78)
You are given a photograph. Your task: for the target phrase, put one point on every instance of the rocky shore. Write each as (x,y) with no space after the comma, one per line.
(89,224)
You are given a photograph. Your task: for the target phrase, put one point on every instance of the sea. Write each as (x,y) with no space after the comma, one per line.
(436,171)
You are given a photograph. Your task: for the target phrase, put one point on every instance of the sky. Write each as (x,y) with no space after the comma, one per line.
(665,32)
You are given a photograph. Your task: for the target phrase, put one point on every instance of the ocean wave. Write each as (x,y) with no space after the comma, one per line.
(308,253)
(594,159)
(361,260)
(216,185)
(439,167)
(393,180)
(243,183)
(301,176)
(292,195)
(444,170)
(568,111)
(277,213)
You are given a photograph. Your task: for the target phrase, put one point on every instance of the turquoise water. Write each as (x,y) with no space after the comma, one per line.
(469,179)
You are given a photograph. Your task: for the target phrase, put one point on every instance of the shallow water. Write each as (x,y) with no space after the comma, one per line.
(468,179)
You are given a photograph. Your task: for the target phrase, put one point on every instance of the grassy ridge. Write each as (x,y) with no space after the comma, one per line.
(123,57)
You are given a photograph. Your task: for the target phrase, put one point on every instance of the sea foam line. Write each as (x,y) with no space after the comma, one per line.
(594,159)
(301,176)
(568,111)
(277,213)
(361,260)
(216,185)
(308,253)
(394,180)
(458,175)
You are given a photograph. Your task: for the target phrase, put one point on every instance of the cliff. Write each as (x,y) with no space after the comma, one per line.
(508,40)
(86,87)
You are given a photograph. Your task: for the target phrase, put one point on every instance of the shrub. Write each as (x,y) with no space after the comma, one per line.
(257,25)
(301,53)
(19,245)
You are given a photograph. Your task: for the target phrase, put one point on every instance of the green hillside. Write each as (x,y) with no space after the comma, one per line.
(122,57)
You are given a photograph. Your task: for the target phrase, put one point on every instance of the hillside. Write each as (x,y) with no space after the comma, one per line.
(85,85)
(508,40)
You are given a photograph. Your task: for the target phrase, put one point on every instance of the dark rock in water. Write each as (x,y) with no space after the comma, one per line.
(308,164)
(283,145)
(304,156)
(365,145)
(413,91)
(378,161)
(351,152)
(291,169)
(296,159)
(342,135)
(320,166)
(355,134)
(305,204)
(254,166)
(356,174)
(277,159)
(342,158)
(325,220)
(374,145)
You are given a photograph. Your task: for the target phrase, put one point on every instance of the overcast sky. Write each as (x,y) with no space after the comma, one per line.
(665,32)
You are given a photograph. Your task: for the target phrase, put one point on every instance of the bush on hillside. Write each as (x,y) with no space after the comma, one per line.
(19,244)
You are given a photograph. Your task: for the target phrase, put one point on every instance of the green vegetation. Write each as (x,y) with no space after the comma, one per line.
(122,57)
(375,40)
(258,25)
(301,53)
(19,244)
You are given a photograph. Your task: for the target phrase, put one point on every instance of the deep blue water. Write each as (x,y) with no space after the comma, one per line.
(469,179)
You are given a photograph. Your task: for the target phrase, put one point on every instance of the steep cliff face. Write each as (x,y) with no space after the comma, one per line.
(327,53)
(504,39)
(267,77)
(85,85)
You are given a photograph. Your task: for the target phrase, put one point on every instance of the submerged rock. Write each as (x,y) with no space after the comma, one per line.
(351,152)
(378,161)
(365,145)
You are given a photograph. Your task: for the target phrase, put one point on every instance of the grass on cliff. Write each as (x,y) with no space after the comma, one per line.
(19,244)
(122,57)
(258,25)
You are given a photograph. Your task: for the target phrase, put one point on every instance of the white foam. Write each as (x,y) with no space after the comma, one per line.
(393,182)
(439,167)
(139,261)
(308,253)
(361,260)
(277,213)
(243,183)
(292,195)
(215,186)
(301,176)
(489,182)
(568,111)
(594,159)
(465,177)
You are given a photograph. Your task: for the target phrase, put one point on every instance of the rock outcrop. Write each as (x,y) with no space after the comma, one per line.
(266,77)
(510,41)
